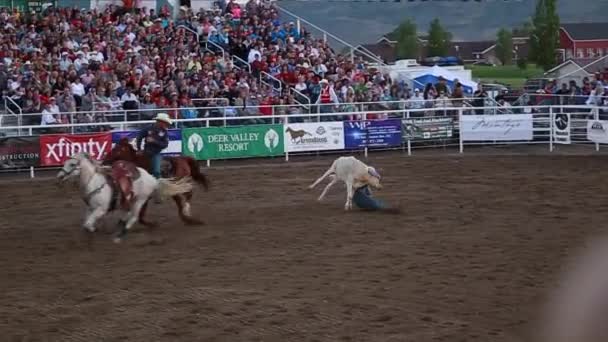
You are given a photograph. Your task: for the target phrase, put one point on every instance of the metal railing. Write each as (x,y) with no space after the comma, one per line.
(271,81)
(13,110)
(217,47)
(326,35)
(188,29)
(300,98)
(243,63)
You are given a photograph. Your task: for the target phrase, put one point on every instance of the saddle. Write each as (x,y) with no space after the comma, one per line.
(123,174)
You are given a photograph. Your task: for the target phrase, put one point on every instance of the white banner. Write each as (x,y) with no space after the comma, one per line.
(314,136)
(597,131)
(507,127)
(561,129)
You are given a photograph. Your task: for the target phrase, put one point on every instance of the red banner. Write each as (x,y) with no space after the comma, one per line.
(57,148)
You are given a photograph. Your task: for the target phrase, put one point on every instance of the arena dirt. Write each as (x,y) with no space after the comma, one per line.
(478,243)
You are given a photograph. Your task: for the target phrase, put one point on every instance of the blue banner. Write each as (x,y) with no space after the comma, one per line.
(175,140)
(372,133)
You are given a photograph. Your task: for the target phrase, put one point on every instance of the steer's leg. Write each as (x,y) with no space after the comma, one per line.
(349,196)
(334,179)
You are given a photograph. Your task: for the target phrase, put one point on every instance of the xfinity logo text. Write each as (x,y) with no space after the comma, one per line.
(66,148)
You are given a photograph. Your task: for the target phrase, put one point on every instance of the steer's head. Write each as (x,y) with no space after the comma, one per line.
(373,178)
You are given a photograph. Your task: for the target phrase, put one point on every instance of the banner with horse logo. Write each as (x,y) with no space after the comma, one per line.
(16,152)
(175,140)
(233,142)
(561,129)
(314,136)
(55,149)
(372,133)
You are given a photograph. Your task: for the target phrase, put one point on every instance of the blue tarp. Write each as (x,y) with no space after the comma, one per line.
(429,78)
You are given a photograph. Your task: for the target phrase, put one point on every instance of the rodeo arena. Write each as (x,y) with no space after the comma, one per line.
(225,174)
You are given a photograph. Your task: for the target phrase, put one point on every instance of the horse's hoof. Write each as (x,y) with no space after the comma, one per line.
(117,240)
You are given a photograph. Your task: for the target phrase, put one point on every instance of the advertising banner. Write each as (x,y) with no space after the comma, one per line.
(314,136)
(507,127)
(233,142)
(561,129)
(55,149)
(427,128)
(597,131)
(18,152)
(372,133)
(175,140)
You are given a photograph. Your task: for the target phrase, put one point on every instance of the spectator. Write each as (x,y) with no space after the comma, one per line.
(327,99)
(479,98)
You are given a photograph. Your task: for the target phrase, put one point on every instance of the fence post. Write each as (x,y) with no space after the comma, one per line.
(207,125)
(460,141)
(551,122)
(597,117)
(32,175)
(409,140)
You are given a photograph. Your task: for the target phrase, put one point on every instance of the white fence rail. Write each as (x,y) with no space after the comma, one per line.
(417,128)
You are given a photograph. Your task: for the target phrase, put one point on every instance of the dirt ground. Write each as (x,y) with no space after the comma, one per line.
(479,242)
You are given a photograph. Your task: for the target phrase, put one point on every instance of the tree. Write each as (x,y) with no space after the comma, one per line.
(522,63)
(407,40)
(439,40)
(504,46)
(524,31)
(544,39)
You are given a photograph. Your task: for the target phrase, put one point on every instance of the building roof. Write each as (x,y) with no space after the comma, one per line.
(589,65)
(586,31)
(385,51)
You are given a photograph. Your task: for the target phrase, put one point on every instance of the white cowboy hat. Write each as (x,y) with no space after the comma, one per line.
(164,117)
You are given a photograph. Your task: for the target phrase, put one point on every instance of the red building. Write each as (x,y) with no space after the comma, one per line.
(585,40)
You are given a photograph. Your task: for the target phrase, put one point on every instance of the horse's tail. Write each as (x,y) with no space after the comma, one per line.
(169,187)
(196,173)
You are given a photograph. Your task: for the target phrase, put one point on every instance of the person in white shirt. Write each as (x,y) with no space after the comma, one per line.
(65,62)
(416,102)
(252,55)
(80,60)
(49,112)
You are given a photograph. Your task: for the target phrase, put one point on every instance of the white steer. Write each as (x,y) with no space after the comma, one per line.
(354,173)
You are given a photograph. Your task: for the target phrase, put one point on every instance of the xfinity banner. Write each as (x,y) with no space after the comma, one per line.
(313,136)
(57,148)
(175,140)
(508,127)
(373,133)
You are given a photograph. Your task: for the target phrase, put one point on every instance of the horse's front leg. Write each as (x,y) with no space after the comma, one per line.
(92,216)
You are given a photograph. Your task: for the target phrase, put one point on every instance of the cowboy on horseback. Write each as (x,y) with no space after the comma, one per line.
(157,139)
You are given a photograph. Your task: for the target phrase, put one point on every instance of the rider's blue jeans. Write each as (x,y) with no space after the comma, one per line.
(155,160)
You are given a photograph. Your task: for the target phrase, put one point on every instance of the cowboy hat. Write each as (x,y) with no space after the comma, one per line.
(164,117)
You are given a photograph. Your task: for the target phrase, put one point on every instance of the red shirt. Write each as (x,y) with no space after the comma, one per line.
(288,77)
(266,106)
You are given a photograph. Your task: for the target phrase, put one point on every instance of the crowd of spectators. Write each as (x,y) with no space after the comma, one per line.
(82,66)
(99,63)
